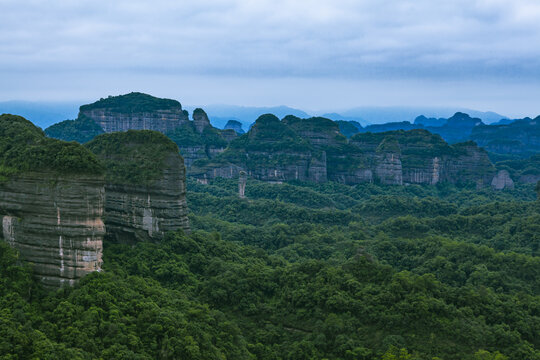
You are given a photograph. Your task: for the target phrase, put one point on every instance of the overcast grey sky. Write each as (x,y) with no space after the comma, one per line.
(483,54)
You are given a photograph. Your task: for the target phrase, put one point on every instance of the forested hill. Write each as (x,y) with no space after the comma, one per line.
(301,271)
(336,150)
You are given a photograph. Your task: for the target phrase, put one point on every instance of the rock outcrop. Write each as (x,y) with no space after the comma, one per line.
(136,111)
(51,202)
(270,151)
(55,223)
(236,126)
(502,181)
(242,180)
(200,120)
(145,185)
(314,150)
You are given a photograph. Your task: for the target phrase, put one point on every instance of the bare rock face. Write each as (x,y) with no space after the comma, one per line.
(51,202)
(313,150)
(469,163)
(55,223)
(148,212)
(142,207)
(200,120)
(159,120)
(136,111)
(502,181)
(193,153)
(389,170)
(242,180)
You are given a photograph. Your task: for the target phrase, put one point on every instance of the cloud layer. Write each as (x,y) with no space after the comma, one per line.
(346,38)
(338,39)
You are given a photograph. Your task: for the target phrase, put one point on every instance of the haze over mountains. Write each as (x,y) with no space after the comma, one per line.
(44,114)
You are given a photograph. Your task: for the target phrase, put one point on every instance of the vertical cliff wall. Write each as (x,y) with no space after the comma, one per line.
(51,202)
(270,151)
(55,223)
(314,150)
(145,192)
(136,111)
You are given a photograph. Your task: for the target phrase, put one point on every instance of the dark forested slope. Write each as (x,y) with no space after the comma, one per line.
(302,271)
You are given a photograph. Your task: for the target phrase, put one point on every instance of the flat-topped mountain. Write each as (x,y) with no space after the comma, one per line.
(196,138)
(135,111)
(51,202)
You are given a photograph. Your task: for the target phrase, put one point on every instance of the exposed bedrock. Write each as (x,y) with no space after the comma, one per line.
(55,223)
(145,190)
(502,180)
(147,212)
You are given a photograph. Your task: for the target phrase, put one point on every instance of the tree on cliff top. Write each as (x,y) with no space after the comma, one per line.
(133,157)
(132,103)
(24,147)
(81,130)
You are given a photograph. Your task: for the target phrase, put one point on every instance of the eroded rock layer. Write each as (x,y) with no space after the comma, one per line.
(159,120)
(314,150)
(145,191)
(148,212)
(55,223)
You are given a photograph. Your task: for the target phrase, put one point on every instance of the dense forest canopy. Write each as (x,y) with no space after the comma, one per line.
(81,130)
(302,271)
(133,102)
(24,147)
(133,157)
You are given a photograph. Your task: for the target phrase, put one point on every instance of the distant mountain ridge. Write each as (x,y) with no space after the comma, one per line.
(220,114)
(44,114)
(302,137)
(379,115)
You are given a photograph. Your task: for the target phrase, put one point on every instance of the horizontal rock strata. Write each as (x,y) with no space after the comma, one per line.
(55,223)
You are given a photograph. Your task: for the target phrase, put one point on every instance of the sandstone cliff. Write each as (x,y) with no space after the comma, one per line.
(51,202)
(198,139)
(55,223)
(136,111)
(314,150)
(270,151)
(145,185)
(502,181)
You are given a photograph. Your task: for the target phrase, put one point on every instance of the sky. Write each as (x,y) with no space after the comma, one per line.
(316,55)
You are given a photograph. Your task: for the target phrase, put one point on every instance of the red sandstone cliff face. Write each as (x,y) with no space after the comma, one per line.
(55,223)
